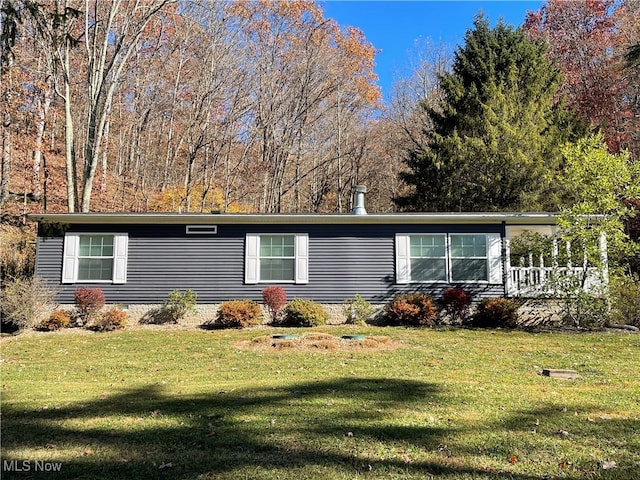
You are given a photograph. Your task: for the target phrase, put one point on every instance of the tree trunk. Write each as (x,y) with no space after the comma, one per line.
(43,104)
(69,150)
(6,156)
(108,54)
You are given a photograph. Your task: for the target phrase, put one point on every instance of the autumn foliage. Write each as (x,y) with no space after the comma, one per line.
(88,302)
(57,320)
(111,319)
(411,309)
(238,314)
(588,41)
(456,302)
(274,298)
(272,121)
(282,117)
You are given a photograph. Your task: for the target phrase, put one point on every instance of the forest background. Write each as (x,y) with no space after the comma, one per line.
(261,106)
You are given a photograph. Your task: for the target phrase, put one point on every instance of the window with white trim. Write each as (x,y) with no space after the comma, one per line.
(469,258)
(428,258)
(276,258)
(456,258)
(95,258)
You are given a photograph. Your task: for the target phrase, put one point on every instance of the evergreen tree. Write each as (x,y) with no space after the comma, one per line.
(494,143)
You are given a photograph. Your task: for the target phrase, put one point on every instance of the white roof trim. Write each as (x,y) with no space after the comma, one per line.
(338,219)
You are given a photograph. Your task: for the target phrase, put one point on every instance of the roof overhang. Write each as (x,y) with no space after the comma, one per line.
(281,219)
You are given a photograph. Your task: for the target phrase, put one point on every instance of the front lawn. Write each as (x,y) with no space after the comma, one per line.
(190,404)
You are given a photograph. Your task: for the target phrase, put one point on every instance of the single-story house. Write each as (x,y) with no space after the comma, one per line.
(138,258)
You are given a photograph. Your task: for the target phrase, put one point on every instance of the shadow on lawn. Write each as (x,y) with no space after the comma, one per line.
(256,430)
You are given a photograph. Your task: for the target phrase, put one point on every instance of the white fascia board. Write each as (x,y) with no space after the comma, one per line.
(281,219)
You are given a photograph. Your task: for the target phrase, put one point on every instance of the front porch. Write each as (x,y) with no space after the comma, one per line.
(543,276)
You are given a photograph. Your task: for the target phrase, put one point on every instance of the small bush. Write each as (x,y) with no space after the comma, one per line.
(586,311)
(357,310)
(274,298)
(88,302)
(17,252)
(57,320)
(625,300)
(303,313)
(178,305)
(238,314)
(112,319)
(456,303)
(496,313)
(26,303)
(580,309)
(411,309)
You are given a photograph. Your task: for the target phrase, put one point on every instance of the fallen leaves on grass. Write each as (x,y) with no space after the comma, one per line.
(319,342)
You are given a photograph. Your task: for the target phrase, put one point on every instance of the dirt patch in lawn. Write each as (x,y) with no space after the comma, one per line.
(319,342)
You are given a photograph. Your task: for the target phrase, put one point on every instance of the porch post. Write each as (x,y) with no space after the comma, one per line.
(506,252)
(604,259)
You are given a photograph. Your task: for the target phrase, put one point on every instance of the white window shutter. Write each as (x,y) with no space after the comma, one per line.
(252,259)
(403,261)
(302,259)
(70,258)
(120,252)
(494,257)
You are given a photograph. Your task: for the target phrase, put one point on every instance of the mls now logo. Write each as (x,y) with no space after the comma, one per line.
(28,466)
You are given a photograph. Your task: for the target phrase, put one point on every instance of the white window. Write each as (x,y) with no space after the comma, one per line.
(95,258)
(469,258)
(276,258)
(428,258)
(457,258)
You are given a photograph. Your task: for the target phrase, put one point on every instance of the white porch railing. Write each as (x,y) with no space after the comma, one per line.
(548,281)
(529,280)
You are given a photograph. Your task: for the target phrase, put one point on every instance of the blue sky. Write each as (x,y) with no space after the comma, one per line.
(394,26)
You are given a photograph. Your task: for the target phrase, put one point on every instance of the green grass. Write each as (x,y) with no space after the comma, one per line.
(452,404)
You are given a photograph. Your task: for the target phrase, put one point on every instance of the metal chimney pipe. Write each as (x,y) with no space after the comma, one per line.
(358,204)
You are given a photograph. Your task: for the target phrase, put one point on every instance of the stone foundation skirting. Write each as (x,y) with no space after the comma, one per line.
(532,313)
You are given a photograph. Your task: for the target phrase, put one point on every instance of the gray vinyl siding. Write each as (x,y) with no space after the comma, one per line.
(343,260)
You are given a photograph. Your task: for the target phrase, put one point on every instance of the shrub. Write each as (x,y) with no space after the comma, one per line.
(238,314)
(178,304)
(112,319)
(25,303)
(411,309)
(456,303)
(625,300)
(88,302)
(358,310)
(57,320)
(586,310)
(303,313)
(274,298)
(496,312)
(17,252)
